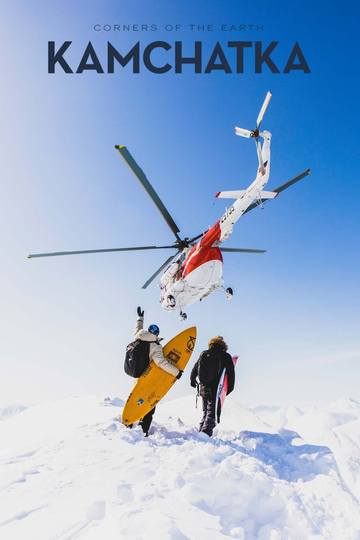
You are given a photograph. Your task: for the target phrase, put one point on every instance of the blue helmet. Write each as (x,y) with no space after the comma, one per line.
(154,329)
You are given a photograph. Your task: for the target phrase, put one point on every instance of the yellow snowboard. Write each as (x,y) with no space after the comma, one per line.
(154,383)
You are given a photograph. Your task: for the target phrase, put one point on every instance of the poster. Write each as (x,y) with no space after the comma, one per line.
(171,81)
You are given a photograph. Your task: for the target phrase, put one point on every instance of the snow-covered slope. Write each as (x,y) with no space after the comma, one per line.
(70,469)
(233,420)
(344,405)
(338,427)
(7,412)
(278,417)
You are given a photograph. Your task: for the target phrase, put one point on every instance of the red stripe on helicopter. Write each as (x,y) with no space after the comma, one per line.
(200,257)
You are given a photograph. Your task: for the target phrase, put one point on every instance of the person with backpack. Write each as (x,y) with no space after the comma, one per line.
(208,369)
(141,352)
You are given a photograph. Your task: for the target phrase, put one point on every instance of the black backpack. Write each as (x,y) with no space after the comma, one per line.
(209,366)
(137,358)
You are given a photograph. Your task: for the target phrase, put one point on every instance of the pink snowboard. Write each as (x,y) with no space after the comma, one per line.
(222,391)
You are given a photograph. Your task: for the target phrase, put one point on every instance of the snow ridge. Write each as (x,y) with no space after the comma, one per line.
(7,412)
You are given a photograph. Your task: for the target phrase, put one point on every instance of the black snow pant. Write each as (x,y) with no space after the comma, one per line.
(208,421)
(145,422)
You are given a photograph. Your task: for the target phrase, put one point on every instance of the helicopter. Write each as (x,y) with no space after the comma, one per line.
(198,268)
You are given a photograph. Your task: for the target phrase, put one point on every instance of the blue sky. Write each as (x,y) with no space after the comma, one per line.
(294,318)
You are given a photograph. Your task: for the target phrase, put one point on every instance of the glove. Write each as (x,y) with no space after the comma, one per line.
(193,384)
(178,376)
(139,312)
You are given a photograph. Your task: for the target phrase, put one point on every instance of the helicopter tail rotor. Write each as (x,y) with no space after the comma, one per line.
(255,132)
(263,109)
(243,132)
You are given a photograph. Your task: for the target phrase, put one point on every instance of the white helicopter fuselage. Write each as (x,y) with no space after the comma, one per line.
(200,273)
(199,283)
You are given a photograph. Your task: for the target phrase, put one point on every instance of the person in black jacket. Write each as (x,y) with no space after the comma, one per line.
(208,369)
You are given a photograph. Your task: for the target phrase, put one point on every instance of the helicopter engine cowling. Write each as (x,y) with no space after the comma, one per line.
(169,275)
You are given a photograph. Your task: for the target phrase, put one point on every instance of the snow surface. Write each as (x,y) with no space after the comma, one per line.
(280,417)
(7,412)
(69,469)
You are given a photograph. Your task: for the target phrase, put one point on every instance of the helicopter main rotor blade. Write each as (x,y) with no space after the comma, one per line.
(159,270)
(238,250)
(97,251)
(140,175)
(263,109)
(279,189)
(292,181)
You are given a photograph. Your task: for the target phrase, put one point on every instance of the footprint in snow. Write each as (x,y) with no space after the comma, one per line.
(125,493)
(96,511)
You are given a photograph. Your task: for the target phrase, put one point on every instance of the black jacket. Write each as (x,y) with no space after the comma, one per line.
(209,389)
